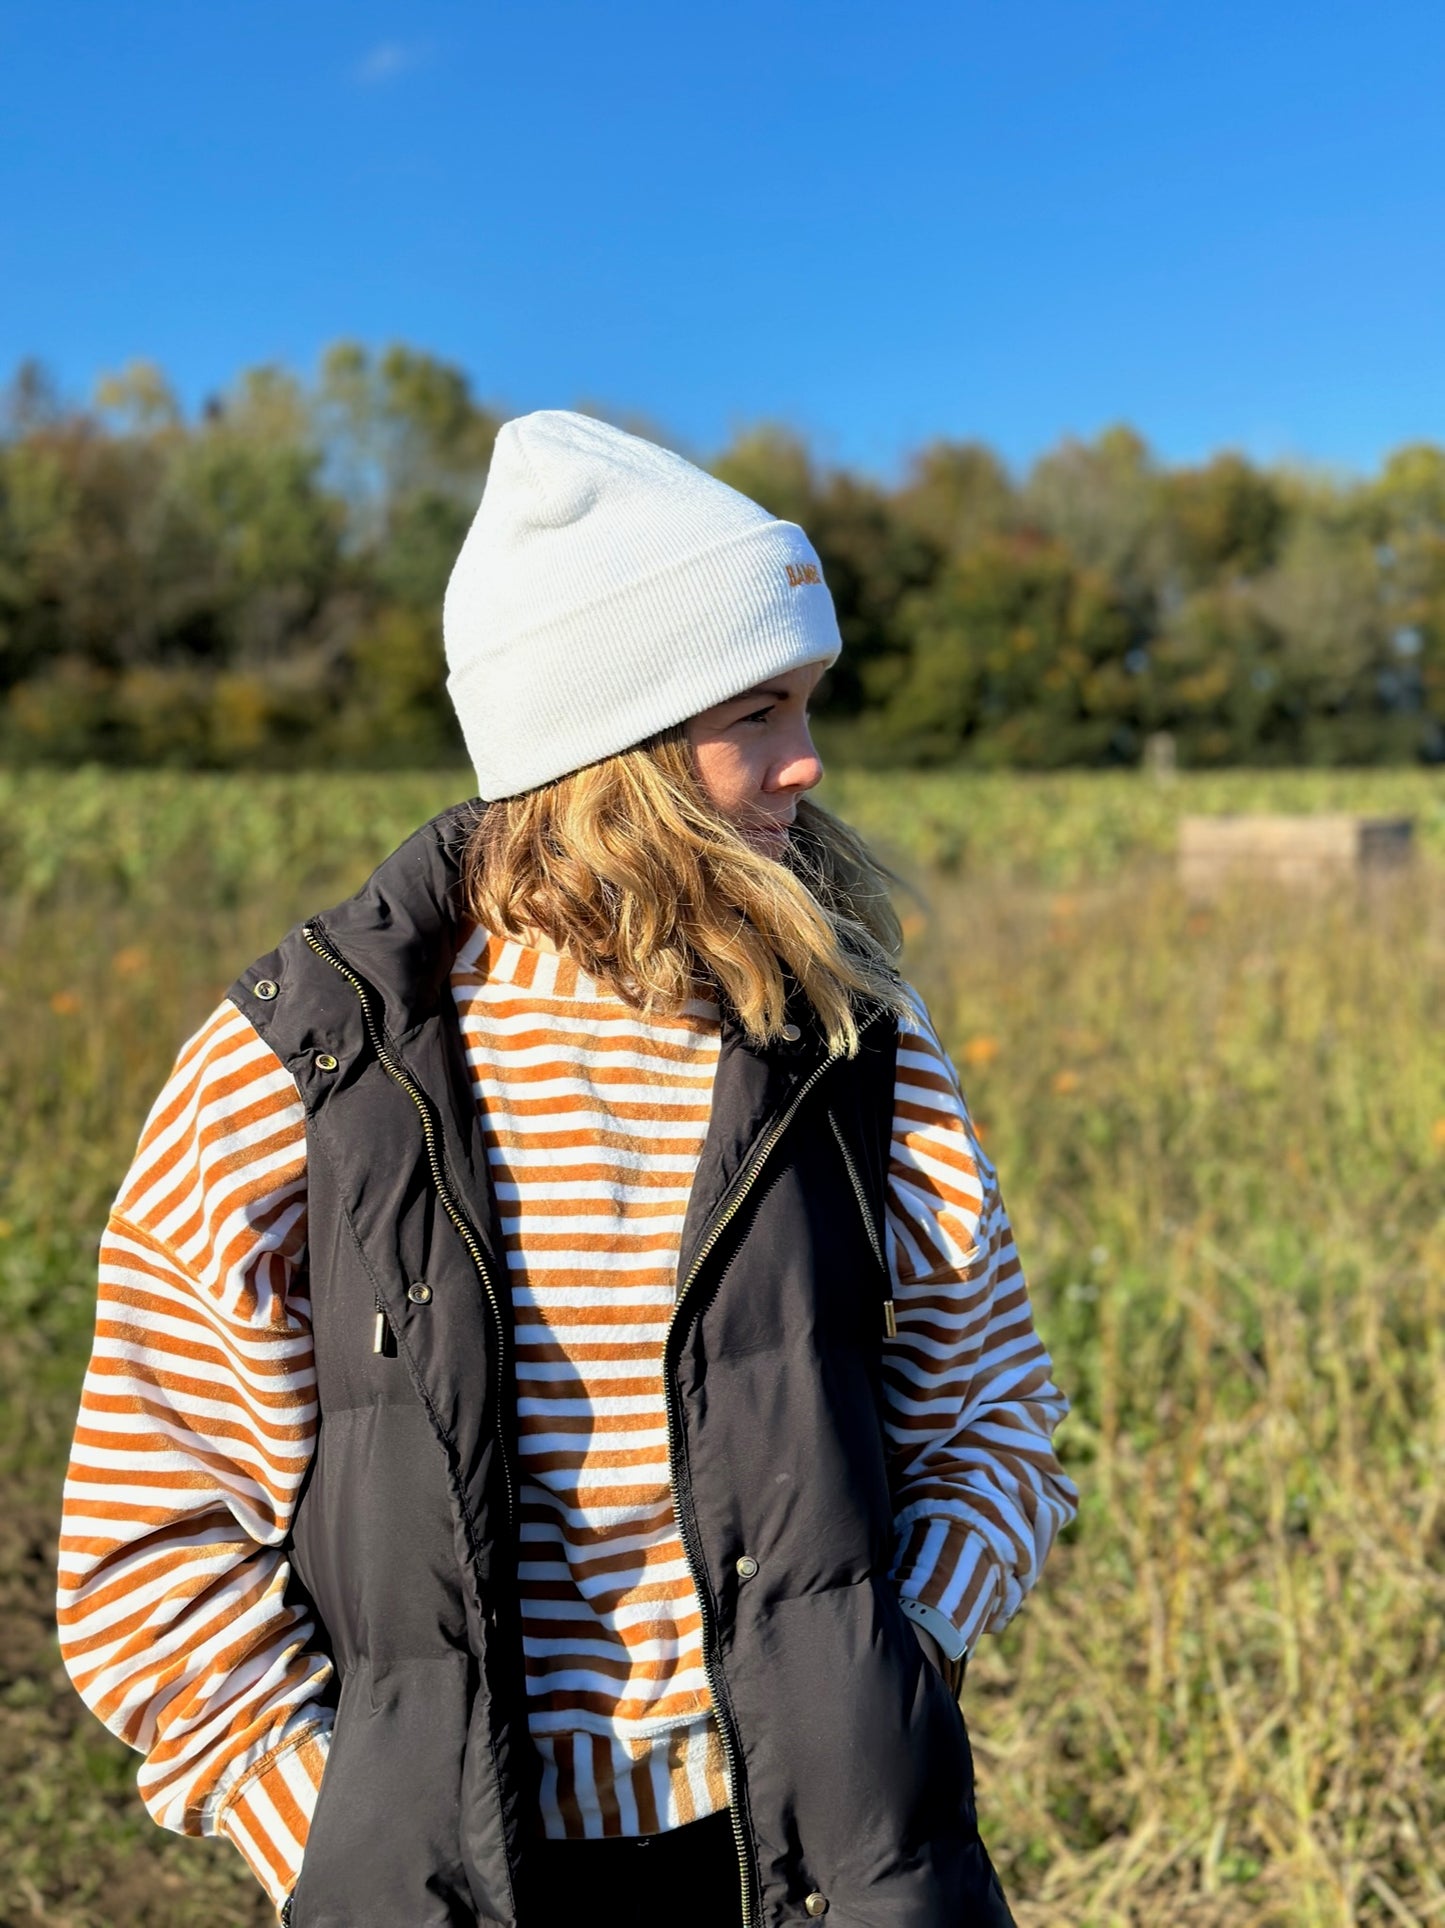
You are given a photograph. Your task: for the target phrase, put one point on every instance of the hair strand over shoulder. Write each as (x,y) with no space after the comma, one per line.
(630,868)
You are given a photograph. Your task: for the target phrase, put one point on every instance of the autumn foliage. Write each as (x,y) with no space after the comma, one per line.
(260,585)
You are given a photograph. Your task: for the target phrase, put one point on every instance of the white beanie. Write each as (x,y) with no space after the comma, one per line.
(608,589)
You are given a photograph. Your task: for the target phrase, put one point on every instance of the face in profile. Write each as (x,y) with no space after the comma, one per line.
(755,755)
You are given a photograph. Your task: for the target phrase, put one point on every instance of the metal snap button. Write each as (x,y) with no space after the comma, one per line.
(747,1567)
(325,1061)
(816,1904)
(419,1294)
(791,1033)
(265,988)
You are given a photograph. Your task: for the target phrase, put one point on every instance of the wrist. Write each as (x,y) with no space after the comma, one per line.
(951,1669)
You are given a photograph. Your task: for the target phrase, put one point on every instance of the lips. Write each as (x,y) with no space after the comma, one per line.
(769,834)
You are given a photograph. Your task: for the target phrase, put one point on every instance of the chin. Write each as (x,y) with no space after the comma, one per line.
(769,843)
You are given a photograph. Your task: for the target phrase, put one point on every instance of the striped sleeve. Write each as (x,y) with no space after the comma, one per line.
(970,1402)
(196,1427)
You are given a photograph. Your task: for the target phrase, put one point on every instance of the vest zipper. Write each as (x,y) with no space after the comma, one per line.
(443,1191)
(687,1532)
(890,1316)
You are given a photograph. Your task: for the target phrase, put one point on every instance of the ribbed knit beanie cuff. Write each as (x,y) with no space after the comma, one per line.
(608,589)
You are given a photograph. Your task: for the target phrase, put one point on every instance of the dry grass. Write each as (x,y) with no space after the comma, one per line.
(1222,1137)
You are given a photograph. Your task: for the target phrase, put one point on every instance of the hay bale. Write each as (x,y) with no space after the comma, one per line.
(1304,852)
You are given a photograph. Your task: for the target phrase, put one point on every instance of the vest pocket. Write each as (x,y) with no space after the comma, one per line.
(851,1731)
(938,1732)
(383,1847)
(944,1719)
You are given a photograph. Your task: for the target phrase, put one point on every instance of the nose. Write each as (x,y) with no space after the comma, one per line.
(800,767)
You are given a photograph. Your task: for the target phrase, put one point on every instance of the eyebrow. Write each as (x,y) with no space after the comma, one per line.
(745,696)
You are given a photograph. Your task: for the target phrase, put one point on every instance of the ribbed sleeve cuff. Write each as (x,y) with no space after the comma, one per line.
(950,1640)
(267,1813)
(947,1568)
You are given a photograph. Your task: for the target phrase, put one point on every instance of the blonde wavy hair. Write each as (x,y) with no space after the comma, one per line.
(631,869)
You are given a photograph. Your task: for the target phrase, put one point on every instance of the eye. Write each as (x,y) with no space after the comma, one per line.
(758,716)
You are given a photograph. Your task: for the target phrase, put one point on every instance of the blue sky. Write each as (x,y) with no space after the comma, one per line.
(1222,222)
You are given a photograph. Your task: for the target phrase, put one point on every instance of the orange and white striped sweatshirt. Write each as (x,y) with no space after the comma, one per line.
(199,1412)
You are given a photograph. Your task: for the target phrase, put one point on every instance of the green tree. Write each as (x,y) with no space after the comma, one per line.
(1408,505)
(263,584)
(872,557)
(773,467)
(956,495)
(1217,683)
(1225,519)
(1101,501)
(1018,657)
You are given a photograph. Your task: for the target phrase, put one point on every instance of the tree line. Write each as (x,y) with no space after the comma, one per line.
(261,585)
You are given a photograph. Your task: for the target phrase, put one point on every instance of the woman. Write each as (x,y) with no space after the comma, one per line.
(564,1400)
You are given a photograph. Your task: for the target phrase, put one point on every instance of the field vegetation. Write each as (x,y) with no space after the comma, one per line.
(1222,1137)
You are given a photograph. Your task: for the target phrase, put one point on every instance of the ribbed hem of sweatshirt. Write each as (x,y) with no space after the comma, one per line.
(595,1785)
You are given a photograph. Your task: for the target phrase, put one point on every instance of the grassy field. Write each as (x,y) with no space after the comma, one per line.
(1222,1137)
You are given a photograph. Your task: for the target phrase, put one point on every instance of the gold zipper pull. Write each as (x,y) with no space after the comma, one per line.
(890,1320)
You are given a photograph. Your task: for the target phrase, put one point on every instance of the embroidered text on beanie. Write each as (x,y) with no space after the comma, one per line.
(608,589)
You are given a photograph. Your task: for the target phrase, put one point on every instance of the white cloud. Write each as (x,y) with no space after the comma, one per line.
(386,60)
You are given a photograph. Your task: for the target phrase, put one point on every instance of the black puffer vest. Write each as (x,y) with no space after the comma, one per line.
(853,1788)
